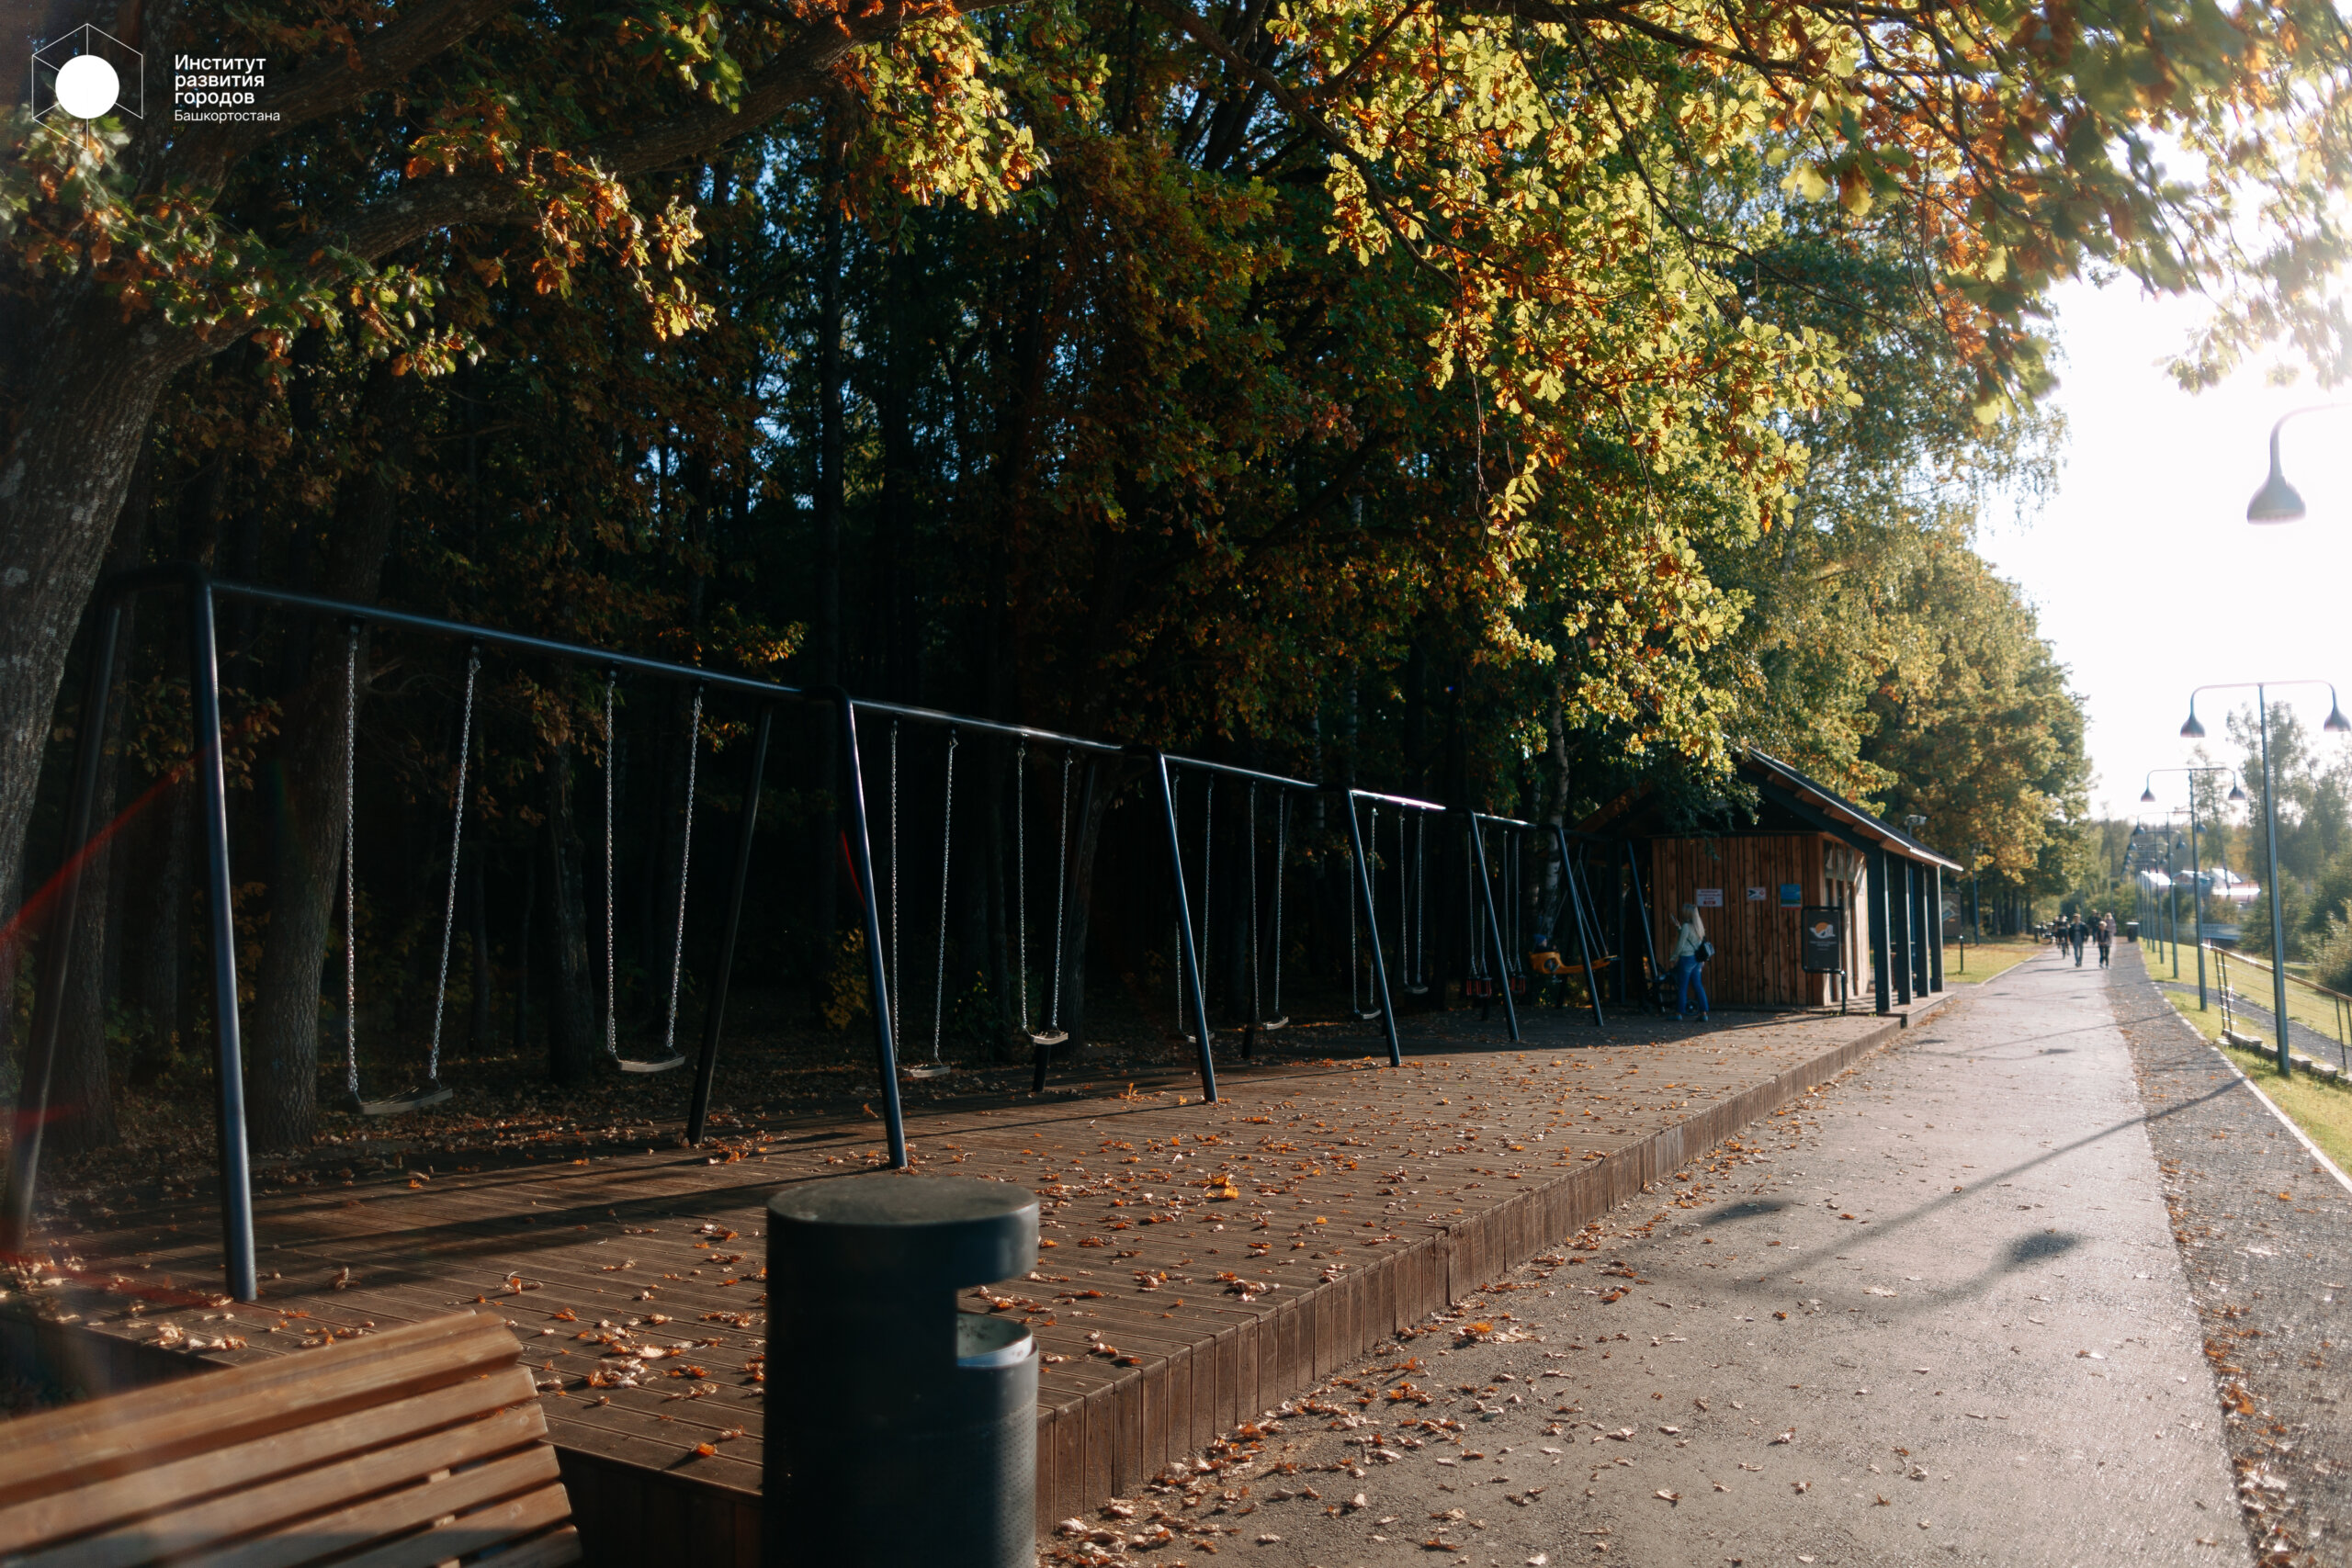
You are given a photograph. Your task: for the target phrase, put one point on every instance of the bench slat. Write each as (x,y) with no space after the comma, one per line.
(362,1525)
(477,1531)
(83,1510)
(137,1431)
(306,1503)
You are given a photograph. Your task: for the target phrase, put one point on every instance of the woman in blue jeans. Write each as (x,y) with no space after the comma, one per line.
(1687,963)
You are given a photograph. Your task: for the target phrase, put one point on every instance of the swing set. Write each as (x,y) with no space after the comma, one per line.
(1163,774)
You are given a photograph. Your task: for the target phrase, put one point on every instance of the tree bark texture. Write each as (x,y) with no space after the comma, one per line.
(282,1033)
(574,1043)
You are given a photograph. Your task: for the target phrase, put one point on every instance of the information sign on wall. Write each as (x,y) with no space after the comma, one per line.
(1710,899)
(1758,895)
(1791,896)
(1821,944)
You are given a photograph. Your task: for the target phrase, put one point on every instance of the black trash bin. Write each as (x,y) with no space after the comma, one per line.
(900,1429)
(2132,931)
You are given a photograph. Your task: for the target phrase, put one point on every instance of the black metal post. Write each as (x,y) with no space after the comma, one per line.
(707,1067)
(1935,881)
(1900,907)
(2270,847)
(2197,891)
(1875,876)
(1372,920)
(1188,950)
(1486,890)
(236,1167)
(861,855)
(57,952)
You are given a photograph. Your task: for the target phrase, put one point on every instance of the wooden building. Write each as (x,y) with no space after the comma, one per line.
(1752,872)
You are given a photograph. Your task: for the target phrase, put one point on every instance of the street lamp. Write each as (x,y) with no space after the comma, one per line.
(2277,501)
(2196,861)
(2334,723)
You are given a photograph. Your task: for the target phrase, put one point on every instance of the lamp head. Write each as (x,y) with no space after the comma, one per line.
(2336,723)
(2147,797)
(2237,795)
(2277,501)
(2192,730)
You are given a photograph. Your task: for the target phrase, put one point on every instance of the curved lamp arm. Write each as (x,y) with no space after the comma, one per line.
(2277,501)
(2334,723)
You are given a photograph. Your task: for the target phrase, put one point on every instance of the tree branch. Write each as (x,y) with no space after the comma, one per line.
(334,78)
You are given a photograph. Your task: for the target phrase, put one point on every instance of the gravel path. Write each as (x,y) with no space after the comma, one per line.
(2267,1233)
(1936,1314)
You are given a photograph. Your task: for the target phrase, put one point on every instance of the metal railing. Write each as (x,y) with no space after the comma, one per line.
(2339,1005)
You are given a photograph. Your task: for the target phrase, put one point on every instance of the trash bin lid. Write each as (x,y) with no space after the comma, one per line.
(948,1230)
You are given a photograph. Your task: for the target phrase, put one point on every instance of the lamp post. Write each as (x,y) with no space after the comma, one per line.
(2334,723)
(2196,861)
(2277,501)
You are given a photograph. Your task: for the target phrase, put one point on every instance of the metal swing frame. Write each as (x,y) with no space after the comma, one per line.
(201,594)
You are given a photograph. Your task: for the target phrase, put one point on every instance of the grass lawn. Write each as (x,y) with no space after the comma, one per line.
(2323,1109)
(1986,959)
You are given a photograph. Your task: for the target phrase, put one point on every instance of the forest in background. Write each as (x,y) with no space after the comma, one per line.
(1514,406)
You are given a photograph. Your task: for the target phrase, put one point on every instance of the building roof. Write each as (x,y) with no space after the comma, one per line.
(1805,801)
(1844,812)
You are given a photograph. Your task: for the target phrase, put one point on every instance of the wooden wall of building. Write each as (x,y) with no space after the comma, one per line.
(1755,941)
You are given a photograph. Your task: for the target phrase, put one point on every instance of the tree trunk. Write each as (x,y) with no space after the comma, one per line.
(477,934)
(282,1031)
(574,1045)
(1094,805)
(80,1086)
(86,396)
(824,914)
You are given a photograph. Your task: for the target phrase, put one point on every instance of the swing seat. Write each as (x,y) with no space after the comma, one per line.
(1415,990)
(1370,1015)
(417,1099)
(655,1064)
(1048,1036)
(928,1070)
(1281,1022)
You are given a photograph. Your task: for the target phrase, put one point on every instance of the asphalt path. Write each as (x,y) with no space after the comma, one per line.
(1934,1315)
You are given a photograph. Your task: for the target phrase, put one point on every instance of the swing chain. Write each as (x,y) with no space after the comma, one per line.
(1281,830)
(939,980)
(457,841)
(685,857)
(612,766)
(1021,874)
(1250,837)
(894,878)
(1061,895)
(350,862)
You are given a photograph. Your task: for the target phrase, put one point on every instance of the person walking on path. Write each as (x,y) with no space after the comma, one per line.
(2077,933)
(2105,937)
(1689,956)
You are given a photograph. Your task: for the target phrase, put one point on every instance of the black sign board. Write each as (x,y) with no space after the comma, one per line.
(1821,939)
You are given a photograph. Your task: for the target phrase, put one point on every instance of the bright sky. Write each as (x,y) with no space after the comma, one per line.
(2148,578)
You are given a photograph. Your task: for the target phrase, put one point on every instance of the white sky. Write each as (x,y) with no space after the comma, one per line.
(2148,578)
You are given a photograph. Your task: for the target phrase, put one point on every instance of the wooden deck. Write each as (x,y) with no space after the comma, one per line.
(1202,1262)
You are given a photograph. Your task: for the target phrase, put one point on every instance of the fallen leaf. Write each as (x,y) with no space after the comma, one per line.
(1788,1437)
(1669,1496)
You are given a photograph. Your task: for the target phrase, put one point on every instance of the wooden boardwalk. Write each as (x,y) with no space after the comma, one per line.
(1201,1264)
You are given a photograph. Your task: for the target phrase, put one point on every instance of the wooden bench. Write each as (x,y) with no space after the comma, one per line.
(418,1446)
